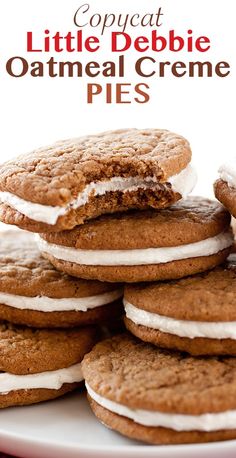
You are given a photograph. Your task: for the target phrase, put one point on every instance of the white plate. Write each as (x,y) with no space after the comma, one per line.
(66,428)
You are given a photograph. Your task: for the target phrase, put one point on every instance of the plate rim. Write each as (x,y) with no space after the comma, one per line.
(108,449)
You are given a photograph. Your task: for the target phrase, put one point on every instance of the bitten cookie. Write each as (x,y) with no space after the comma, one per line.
(189,237)
(38,365)
(65,184)
(33,293)
(195,314)
(161,397)
(225,186)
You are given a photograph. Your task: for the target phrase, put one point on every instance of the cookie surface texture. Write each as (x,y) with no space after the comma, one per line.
(160,397)
(33,293)
(62,185)
(190,237)
(38,365)
(195,314)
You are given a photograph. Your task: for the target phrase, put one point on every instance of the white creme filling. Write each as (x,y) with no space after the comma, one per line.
(178,422)
(181,328)
(48,304)
(137,257)
(50,379)
(227,172)
(182,183)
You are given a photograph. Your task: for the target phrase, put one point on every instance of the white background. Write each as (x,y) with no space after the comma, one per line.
(37,111)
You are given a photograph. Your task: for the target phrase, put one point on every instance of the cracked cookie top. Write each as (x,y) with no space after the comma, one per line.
(24,272)
(26,350)
(140,376)
(209,296)
(54,175)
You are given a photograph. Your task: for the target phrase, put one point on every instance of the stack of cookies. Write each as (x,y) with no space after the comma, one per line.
(107,210)
(46,320)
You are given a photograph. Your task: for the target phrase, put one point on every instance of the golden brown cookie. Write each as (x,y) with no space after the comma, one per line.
(225,186)
(195,314)
(62,185)
(38,365)
(161,397)
(191,236)
(226,195)
(33,293)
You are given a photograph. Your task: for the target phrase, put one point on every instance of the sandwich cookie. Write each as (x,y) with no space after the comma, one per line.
(33,293)
(195,314)
(225,186)
(60,186)
(38,365)
(191,236)
(161,397)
